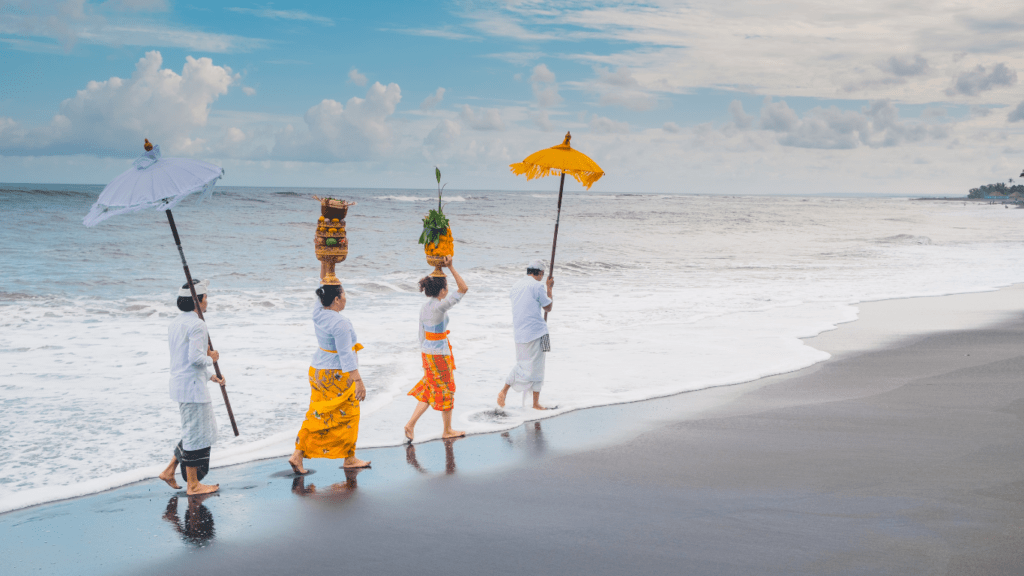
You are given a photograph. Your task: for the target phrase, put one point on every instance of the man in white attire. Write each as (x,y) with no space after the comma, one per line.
(529,297)
(188,341)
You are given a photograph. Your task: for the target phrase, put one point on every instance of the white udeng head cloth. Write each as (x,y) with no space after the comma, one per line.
(536,265)
(202,287)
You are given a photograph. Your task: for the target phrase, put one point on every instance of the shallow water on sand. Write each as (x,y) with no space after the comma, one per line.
(655,294)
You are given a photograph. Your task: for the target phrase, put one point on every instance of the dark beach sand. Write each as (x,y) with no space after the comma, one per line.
(907,459)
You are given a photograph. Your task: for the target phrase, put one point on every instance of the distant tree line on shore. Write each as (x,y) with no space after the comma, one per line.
(997,189)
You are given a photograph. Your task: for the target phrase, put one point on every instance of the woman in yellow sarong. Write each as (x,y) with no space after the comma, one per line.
(332,421)
(437,387)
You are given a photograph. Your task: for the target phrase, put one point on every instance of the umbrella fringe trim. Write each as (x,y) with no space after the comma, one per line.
(101,212)
(584,177)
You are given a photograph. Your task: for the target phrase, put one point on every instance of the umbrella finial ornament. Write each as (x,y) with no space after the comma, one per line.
(568,136)
(147,145)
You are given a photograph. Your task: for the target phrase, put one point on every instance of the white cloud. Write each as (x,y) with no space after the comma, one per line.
(541,119)
(58,21)
(545,89)
(602,125)
(973,82)
(72,21)
(517,58)
(482,118)
(671,128)
(859,50)
(1017,114)
(542,75)
(444,134)
(445,33)
(740,118)
(877,125)
(357,78)
(495,23)
(905,66)
(619,88)
(111,117)
(158,35)
(431,102)
(272,14)
(249,90)
(357,130)
(137,5)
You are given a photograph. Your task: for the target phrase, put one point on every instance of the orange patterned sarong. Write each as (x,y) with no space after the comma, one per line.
(332,421)
(437,387)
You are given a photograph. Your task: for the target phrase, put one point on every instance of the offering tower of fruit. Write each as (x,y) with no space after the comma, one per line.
(330,240)
(437,237)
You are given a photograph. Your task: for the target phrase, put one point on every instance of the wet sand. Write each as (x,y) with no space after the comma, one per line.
(904,459)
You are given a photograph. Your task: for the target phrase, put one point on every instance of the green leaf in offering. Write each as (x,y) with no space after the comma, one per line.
(434,225)
(331,242)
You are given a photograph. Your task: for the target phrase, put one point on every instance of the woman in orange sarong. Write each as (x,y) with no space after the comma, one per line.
(437,387)
(332,421)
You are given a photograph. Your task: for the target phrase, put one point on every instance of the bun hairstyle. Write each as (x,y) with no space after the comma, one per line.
(432,285)
(186,303)
(328,292)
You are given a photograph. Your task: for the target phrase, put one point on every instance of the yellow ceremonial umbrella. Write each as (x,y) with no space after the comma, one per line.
(564,160)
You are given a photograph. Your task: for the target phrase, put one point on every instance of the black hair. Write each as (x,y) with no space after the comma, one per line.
(328,292)
(534,271)
(185,303)
(432,285)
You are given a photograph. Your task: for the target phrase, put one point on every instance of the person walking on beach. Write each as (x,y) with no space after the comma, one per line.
(188,340)
(331,427)
(437,387)
(529,297)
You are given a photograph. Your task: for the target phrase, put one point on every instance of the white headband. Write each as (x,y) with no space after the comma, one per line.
(201,288)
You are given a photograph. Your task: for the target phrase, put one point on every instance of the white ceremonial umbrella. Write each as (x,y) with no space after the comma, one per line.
(154,182)
(161,183)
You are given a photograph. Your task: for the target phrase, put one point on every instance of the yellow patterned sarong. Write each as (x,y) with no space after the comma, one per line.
(332,421)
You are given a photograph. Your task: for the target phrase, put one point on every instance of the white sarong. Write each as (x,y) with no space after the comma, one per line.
(528,374)
(198,426)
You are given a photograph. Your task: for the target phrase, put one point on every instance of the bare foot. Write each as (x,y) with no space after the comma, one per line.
(408,433)
(453,434)
(353,462)
(169,478)
(501,397)
(202,489)
(297,466)
(539,407)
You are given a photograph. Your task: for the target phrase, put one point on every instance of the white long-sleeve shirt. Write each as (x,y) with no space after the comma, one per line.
(334,332)
(187,340)
(529,297)
(434,318)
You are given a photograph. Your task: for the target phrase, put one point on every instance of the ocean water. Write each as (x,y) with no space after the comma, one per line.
(655,295)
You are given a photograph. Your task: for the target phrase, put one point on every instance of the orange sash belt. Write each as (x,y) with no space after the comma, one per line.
(436,336)
(355,348)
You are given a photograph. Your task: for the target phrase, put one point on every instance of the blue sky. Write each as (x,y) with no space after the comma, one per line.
(696,97)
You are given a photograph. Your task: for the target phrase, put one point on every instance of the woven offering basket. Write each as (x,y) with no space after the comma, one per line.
(330,240)
(436,254)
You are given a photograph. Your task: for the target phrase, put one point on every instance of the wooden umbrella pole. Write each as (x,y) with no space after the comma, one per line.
(554,243)
(199,311)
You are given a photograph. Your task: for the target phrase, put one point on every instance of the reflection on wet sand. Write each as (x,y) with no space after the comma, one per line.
(197,529)
(533,440)
(338,491)
(449,457)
